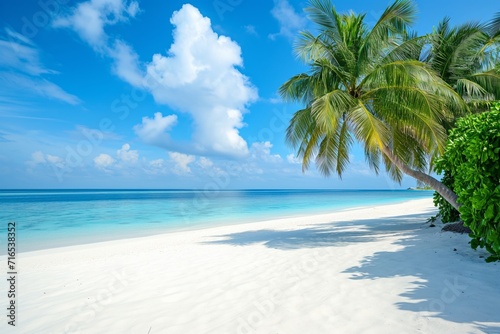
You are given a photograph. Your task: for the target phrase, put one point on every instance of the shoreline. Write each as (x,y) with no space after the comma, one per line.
(211,225)
(376,269)
(67,221)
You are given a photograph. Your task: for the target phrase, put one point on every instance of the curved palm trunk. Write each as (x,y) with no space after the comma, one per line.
(443,190)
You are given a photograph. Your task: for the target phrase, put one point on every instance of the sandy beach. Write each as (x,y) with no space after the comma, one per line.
(369,270)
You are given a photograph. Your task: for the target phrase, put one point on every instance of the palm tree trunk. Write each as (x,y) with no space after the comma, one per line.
(443,190)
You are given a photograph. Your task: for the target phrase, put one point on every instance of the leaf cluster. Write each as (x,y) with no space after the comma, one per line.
(472,159)
(366,84)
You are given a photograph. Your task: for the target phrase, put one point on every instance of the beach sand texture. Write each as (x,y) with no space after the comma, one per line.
(369,270)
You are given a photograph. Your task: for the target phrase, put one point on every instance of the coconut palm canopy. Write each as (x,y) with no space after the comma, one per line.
(466,57)
(366,84)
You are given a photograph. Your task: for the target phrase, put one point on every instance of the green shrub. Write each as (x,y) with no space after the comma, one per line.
(472,159)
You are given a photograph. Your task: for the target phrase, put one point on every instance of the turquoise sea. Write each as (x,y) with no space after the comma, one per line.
(55,218)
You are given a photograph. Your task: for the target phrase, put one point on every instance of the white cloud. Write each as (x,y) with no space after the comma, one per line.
(205,163)
(262,151)
(156,167)
(275,100)
(55,160)
(22,73)
(154,130)
(289,20)
(87,21)
(89,18)
(291,158)
(199,76)
(36,85)
(182,162)
(127,155)
(38,158)
(103,161)
(126,63)
(21,54)
(133,9)
(251,30)
(158,163)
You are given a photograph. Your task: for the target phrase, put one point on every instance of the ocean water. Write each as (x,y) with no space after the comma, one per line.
(55,218)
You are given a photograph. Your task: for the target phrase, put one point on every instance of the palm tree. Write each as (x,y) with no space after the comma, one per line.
(365,85)
(465,57)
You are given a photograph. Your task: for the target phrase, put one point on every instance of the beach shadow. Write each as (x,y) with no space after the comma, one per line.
(438,289)
(325,235)
(447,280)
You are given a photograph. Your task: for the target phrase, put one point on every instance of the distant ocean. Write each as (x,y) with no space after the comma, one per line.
(55,218)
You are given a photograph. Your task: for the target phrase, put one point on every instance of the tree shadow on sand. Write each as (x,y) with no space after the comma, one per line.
(325,234)
(437,290)
(443,287)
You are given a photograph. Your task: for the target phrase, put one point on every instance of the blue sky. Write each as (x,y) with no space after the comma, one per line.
(164,94)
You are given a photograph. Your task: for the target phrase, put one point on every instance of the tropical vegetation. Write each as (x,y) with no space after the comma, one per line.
(465,57)
(473,158)
(393,92)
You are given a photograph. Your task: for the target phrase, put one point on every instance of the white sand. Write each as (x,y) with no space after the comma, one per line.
(371,270)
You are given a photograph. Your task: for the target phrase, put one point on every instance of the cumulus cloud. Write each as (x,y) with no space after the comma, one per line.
(156,167)
(154,130)
(40,159)
(127,155)
(182,162)
(103,161)
(289,20)
(262,151)
(200,76)
(158,163)
(125,160)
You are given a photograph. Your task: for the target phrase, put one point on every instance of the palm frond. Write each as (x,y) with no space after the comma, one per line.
(409,49)
(494,26)
(333,153)
(323,13)
(297,89)
(301,126)
(309,48)
(395,20)
(366,127)
(489,81)
(457,52)
(345,142)
(471,90)
(372,86)
(372,157)
(328,109)
(394,173)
